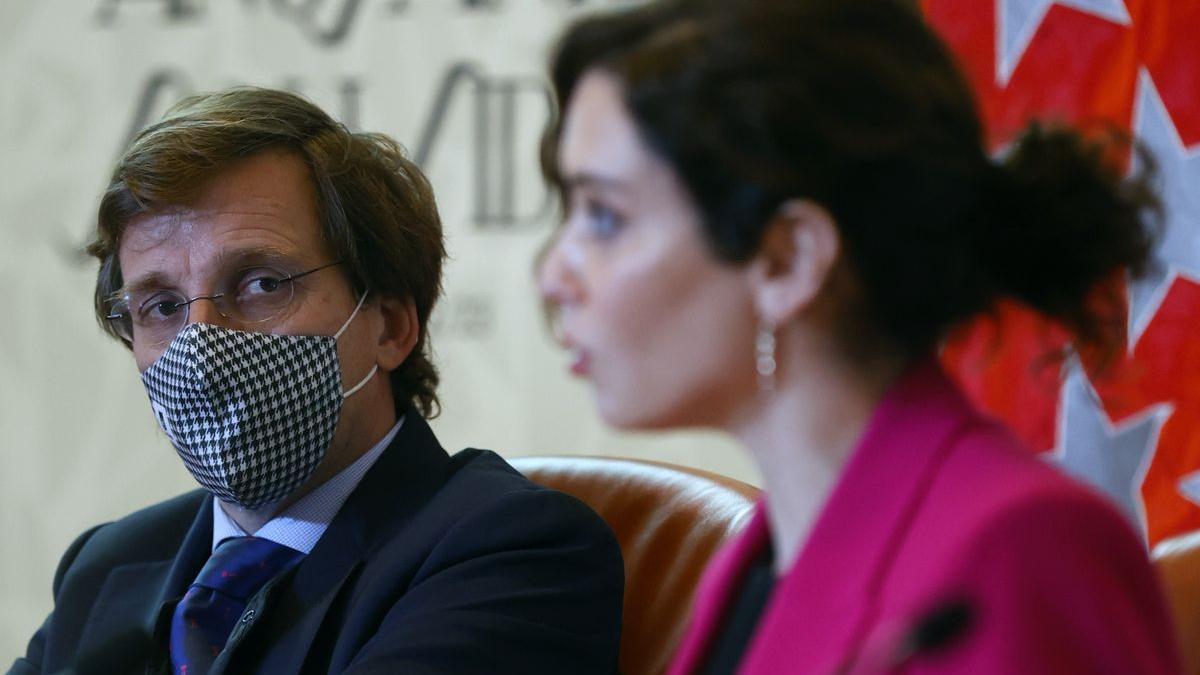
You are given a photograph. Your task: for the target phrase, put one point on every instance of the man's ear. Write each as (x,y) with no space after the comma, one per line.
(398,333)
(800,249)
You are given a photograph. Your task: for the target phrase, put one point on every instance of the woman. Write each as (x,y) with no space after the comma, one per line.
(775,211)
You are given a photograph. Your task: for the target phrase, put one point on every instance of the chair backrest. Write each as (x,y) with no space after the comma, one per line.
(1178,563)
(669,520)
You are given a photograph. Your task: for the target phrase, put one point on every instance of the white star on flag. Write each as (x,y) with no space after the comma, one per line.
(1112,458)
(1189,487)
(1017,21)
(1177,252)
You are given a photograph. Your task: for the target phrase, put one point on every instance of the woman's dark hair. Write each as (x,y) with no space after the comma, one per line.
(858,106)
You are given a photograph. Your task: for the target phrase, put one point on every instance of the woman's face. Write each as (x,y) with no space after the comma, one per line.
(664,331)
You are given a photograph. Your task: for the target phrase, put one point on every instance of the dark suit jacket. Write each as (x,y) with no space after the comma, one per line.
(435,564)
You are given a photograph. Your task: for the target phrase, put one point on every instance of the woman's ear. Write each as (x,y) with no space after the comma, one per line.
(799,251)
(398,332)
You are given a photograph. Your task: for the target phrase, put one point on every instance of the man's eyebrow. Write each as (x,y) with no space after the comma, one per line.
(225,260)
(146,282)
(255,255)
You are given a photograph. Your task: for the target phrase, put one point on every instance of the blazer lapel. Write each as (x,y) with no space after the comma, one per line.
(722,578)
(402,480)
(132,614)
(822,608)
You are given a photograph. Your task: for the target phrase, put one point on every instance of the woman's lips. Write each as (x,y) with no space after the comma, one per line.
(578,358)
(580,362)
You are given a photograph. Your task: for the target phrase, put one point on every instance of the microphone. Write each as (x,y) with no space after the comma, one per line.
(931,632)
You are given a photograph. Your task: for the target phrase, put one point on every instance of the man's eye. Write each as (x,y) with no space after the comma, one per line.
(159,308)
(261,284)
(264,285)
(166,308)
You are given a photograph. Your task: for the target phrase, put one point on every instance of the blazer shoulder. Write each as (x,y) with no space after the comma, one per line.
(151,533)
(1038,556)
(487,505)
(1060,516)
(489,565)
(993,497)
(483,484)
(990,475)
(487,471)
(1059,559)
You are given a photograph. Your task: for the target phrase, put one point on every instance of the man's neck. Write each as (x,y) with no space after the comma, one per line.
(250,520)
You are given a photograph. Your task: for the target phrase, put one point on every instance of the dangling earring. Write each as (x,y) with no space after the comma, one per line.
(764,346)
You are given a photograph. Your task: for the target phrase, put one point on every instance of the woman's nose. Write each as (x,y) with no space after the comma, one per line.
(557,282)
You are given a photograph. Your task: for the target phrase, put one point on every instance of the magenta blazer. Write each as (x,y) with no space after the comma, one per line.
(939,506)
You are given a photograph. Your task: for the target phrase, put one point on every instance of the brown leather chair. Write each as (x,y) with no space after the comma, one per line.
(1178,562)
(669,520)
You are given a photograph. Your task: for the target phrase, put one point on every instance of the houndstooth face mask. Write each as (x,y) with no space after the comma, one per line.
(251,414)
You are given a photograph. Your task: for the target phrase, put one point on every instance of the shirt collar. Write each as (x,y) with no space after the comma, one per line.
(300,525)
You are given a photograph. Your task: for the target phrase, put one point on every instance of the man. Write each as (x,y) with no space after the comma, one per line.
(273,275)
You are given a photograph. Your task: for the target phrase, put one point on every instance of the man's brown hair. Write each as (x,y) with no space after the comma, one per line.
(376,209)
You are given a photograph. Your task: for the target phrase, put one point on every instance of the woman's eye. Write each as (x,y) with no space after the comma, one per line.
(603,222)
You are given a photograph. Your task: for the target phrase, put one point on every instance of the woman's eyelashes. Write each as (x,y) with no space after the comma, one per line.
(602,221)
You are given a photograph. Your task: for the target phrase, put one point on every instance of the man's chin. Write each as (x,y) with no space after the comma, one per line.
(252,519)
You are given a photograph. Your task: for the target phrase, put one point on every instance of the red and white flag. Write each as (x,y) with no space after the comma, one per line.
(1133,428)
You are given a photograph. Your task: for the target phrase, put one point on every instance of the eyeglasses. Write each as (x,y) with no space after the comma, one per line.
(251,297)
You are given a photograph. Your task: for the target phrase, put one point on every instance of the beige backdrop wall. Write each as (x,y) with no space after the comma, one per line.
(457,81)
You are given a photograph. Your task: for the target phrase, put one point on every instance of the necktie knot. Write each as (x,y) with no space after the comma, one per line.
(241,565)
(205,616)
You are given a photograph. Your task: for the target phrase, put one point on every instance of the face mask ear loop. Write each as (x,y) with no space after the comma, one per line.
(352,315)
(375,368)
(362,383)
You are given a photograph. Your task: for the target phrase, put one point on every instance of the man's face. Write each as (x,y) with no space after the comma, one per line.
(258,213)
(261,211)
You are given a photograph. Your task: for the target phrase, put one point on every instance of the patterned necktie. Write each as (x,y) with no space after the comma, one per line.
(205,616)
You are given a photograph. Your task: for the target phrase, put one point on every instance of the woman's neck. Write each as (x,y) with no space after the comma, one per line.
(803,433)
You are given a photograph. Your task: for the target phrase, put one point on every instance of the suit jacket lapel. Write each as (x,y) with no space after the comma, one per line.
(131,617)
(821,609)
(722,578)
(402,480)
